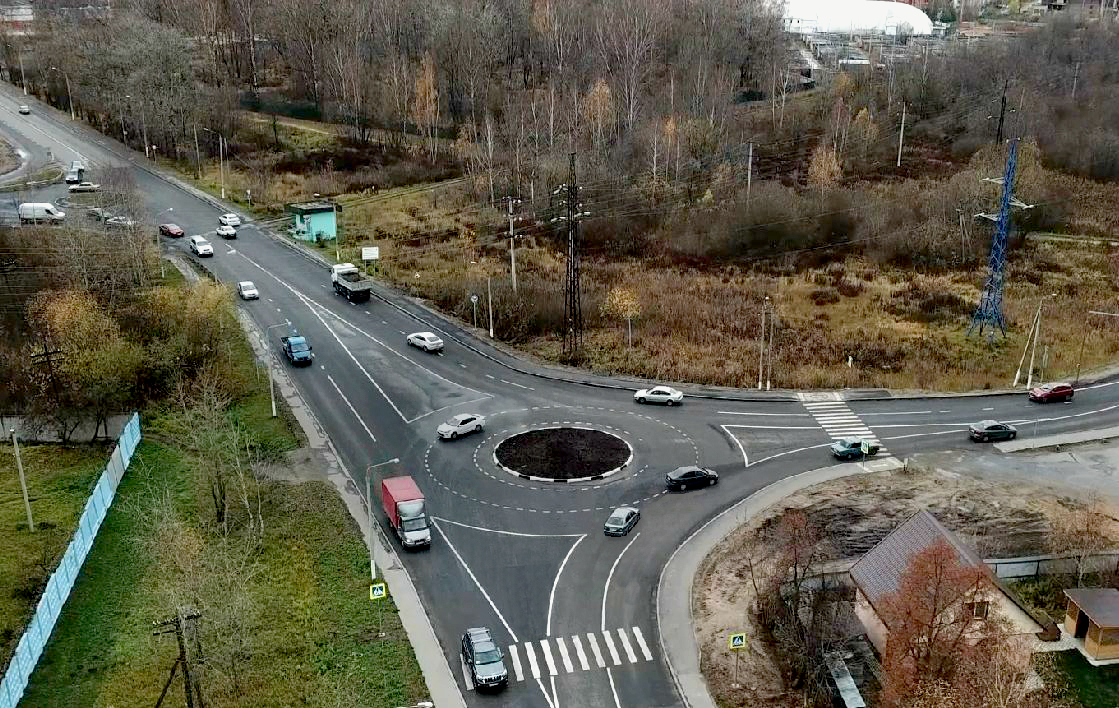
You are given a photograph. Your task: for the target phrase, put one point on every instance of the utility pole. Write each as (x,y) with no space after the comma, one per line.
(512,249)
(749,175)
(197,155)
(989,311)
(1002,113)
(47,356)
(489,303)
(221,163)
(22,481)
(769,347)
(1075,79)
(901,133)
(762,342)
(572,304)
(191,690)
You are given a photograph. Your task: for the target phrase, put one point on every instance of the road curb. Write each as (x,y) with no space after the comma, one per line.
(1054,441)
(675,586)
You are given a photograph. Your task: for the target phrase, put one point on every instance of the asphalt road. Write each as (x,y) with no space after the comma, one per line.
(573,608)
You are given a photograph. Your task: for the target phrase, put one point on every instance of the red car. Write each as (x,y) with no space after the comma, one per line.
(1046,393)
(171,230)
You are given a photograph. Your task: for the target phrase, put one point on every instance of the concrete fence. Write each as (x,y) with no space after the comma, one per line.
(61,582)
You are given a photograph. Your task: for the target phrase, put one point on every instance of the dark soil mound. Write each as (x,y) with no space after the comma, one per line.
(563,453)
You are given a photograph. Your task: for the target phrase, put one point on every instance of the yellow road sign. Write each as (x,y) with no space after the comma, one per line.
(737,641)
(377,591)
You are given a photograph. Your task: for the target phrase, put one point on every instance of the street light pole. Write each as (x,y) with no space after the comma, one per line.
(162,272)
(69,96)
(271,386)
(762,342)
(1037,336)
(489,303)
(22,481)
(369,515)
(221,162)
(22,76)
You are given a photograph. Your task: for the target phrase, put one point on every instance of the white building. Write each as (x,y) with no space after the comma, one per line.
(855,17)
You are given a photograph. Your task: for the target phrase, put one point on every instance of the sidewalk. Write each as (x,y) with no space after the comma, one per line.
(674,590)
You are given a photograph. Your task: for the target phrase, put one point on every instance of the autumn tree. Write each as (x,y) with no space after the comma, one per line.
(598,108)
(1076,532)
(938,618)
(425,101)
(624,303)
(824,169)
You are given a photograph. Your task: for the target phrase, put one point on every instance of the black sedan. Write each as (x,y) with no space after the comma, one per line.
(683,478)
(986,430)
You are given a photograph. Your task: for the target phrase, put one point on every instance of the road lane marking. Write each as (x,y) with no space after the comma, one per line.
(351,407)
(546,650)
(476,583)
(839,421)
(533,667)
(641,644)
(490,376)
(516,384)
(465,674)
(777,415)
(610,576)
(736,441)
(626,647)
(579,653)
(564,656)
(516,659)
(611,648)
(555,583)
(580,536)
(593,641)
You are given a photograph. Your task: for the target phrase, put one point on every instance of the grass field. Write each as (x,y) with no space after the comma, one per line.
(59,480)
(1092,686)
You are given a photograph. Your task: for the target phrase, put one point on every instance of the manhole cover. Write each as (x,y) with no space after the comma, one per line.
(563,454)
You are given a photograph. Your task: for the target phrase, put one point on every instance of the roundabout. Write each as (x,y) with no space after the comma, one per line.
(563,454)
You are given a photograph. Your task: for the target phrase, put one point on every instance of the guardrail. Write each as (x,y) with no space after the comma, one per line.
(61,582)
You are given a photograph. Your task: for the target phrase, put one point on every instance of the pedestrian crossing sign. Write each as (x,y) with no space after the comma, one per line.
(377,591)
(736,641)
(865,446)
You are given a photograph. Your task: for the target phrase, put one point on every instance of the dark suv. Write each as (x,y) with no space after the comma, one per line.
(482,657)
(683,478)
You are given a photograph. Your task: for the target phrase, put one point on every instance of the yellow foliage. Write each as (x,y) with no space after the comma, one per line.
(824,169)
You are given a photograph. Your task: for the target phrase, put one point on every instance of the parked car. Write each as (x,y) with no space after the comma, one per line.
(659,394)
(460,425)
(426,341)
(986,430)
(172,230)
(1046,393)
(297,350)
(247,290)
(226,231)
(84,187)
(483,659)
(25,110)
(122,222)
(200,246)
(229,220)
(621,521)
(854,448)
(683,478)
(99,214)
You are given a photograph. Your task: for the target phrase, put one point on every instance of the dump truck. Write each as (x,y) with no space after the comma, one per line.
(404,505)
(351,282)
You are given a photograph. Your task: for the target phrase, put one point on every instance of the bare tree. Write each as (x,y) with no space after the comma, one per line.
(628,32)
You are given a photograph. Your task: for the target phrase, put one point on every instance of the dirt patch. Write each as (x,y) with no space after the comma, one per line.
(997,518)
(563,453)
(9,159)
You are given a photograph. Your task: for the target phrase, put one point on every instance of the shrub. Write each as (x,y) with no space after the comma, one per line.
(850,288)
(824,296)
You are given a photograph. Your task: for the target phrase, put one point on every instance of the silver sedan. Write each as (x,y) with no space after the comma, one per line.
(659,394)
(460,425)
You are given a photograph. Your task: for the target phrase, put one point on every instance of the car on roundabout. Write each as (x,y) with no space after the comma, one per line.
(246,290)
(483,659)
(460,425)
(171,230)
(201,247)
(659,394)
(690,477)
(229,220)
(426,341)
(987,430)
(226,231)
(847,449)
(621,521)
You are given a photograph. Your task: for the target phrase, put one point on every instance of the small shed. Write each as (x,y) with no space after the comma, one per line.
(1093,615)
(314,221)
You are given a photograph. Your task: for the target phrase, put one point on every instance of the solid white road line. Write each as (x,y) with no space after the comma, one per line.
(546,649)
(593,641)
(626,645)
(532,665)
(515,657)
(465,674)
(476,583)
(508,533)
(611,648)
(350,406)
(610,575)
(555,583)
(579,653)
(641,644)
(564,656)
(736,441)
(776,415)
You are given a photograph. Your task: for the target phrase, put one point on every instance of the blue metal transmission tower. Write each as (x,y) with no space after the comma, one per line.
(989,312)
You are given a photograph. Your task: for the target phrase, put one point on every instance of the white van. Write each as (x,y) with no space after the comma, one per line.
(40,211)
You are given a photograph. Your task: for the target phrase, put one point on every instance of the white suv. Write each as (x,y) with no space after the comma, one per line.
(200,246)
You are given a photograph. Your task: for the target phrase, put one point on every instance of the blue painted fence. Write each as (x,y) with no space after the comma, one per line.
(34,639)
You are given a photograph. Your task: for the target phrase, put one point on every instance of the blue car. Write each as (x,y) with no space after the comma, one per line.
(297,350)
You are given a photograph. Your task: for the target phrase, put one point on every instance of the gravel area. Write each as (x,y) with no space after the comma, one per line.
(562,453)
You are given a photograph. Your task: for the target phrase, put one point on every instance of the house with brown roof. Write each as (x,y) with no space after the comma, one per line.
(1092,615)
(879,573)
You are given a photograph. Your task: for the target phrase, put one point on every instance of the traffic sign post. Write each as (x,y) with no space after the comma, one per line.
(378,591)
(474,302)
(865,447)
(736,642)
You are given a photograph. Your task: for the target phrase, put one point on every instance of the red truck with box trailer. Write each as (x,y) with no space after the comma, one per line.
(405,506)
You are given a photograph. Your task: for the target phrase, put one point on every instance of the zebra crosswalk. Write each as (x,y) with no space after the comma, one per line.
(839,421)
(552,656)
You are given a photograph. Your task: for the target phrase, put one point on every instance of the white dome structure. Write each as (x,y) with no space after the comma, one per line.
(855,17)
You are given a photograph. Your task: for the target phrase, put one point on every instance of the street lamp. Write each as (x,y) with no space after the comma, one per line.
(1035,334)
(271,387)
(369,514)
(221,158)
(69,96)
